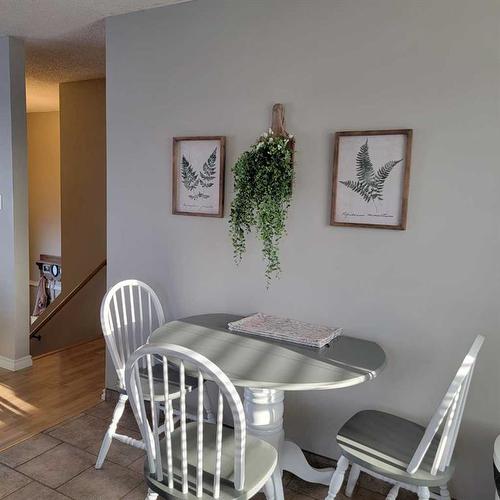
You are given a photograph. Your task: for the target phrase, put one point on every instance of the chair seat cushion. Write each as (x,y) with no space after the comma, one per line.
(385,444)
(261,459)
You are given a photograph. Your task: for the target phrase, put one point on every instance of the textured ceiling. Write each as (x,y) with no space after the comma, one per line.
(64,40)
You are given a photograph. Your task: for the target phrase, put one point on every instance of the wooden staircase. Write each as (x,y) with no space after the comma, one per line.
(73,317)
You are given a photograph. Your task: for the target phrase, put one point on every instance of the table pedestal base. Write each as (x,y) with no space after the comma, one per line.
(264,414)
(293,460)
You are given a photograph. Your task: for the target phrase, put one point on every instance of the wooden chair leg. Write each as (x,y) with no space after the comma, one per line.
(445,494)
(277,480)
(170,413)
(353,479)
(269,489)
(210,416)
(423,493)
(273,489)
(337,478)
(108,437)
(393,493)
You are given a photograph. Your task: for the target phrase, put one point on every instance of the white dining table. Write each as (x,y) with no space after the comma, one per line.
(266,369)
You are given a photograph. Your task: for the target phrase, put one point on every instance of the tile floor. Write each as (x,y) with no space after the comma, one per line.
(59,464)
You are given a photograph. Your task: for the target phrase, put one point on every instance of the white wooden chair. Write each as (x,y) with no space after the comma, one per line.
(496,467)
(198,459)
(130,311)
(402,452)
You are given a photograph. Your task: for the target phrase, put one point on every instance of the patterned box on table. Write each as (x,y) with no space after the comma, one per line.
(285,329)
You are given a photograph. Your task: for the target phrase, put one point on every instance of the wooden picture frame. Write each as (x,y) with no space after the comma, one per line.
(198,175)
(364,193)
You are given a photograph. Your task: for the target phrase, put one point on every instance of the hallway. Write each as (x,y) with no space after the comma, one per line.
(58,386)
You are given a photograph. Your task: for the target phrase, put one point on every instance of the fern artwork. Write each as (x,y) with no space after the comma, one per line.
(198,176)
(197,182)
(371,174)
(190,177)
(369,184)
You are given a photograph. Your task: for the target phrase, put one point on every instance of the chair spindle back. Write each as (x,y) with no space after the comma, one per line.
(130,311)
(451,408)
(203,369)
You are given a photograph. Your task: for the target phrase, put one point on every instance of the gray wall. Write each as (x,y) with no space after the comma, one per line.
(216,67)
(14,253)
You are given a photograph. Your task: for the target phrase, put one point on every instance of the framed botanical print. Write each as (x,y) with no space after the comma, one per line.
(198,176)
(371,176)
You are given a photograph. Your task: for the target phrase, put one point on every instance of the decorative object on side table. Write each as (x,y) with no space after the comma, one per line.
(371,175)
(285,329)
(263,180)
(198,176)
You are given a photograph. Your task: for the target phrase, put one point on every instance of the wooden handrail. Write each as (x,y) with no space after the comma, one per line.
(42,321)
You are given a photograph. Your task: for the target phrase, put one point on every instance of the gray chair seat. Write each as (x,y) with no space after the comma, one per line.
(173,375)
(385,444)
(261,458)
(173,388)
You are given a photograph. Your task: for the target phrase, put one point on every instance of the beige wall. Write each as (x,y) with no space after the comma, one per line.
(83,214)
(44,187)
(83,178)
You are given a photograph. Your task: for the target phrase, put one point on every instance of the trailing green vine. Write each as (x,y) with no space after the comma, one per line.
(263,179)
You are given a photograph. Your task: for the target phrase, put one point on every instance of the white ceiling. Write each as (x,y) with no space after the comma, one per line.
(64,40)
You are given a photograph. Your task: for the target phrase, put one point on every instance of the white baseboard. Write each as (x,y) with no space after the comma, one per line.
(15,364)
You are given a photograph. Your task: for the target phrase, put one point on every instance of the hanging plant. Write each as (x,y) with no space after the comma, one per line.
(263,179)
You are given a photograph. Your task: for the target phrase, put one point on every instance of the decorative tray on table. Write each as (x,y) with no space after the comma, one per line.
(285,329)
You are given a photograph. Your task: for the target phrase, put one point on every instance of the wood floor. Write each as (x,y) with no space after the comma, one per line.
(56,387)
